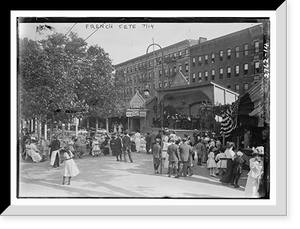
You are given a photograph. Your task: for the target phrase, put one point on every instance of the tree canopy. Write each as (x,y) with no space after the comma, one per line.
(60,78)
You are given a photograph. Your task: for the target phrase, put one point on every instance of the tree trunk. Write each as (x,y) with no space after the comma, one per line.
(45,130)
(107,126)
(51,130)
(97,123)
(31,125)
(76,126)
(39,127)
(63,130)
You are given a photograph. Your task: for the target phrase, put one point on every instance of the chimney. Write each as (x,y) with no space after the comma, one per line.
(202,39)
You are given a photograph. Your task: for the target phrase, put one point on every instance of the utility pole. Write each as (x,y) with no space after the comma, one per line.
(162,91)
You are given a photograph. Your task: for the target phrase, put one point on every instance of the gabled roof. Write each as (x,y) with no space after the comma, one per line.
(179,80)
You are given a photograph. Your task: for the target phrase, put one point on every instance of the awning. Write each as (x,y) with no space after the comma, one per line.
(252,105)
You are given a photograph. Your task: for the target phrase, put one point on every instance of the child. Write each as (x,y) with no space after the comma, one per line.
(70,168)
(211,164)
(95,148)
(237,168)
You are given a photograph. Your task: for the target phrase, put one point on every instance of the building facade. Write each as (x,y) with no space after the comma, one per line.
(232,62)
(145,72)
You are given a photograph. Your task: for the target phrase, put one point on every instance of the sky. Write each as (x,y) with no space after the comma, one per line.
(124,41)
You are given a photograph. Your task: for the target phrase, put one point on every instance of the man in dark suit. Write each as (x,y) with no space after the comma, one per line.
(156,155)
(116,146)
(54,146)
(148,143)
(153,137)
(185,151)
(173,152)
(127,147)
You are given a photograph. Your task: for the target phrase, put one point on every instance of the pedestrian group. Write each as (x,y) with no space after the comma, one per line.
(179,154)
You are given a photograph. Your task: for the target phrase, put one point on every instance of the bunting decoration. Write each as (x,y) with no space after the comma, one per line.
(229,119)
(251,107)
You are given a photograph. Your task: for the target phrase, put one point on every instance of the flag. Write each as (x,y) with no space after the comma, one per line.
(229,119)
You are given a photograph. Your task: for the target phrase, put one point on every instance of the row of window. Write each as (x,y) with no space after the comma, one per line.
(237,88)
(172,70)
(149,63)
(228,73)
(201,59)
(148,75)
(237,54)
(222,74)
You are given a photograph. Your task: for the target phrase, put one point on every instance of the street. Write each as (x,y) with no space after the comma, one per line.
(105,177)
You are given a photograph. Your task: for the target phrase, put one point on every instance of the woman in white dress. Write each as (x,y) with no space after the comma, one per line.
(120,127)
(32,151)
(221,163)
(115,127)
(254,175)
(70,168)
(137,140)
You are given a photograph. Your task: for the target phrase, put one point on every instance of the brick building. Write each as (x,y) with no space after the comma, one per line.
(193,72)
(233,61)
(146,71)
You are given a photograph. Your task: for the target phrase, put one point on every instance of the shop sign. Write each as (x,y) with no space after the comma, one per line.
(143,113)
(128,114)
(135,113)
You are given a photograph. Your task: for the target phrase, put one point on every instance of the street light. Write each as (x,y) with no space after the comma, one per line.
(162,92)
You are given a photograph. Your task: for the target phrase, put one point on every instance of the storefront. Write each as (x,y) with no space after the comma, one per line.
(137,113)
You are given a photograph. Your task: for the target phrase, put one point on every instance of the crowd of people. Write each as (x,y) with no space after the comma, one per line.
(223,162)
(178,121)
(179,154)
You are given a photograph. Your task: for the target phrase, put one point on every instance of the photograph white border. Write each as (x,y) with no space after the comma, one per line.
(276,205)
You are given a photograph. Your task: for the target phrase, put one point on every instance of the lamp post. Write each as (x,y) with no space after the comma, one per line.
(162,92)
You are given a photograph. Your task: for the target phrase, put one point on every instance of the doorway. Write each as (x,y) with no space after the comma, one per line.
(135,124)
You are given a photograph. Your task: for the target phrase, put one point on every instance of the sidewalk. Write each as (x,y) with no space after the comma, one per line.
(105,177)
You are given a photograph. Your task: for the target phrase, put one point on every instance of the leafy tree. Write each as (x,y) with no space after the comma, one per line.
(61,78)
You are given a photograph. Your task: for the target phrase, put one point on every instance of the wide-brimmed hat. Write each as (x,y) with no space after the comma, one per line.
(239,153)
(172,140)
(260,150)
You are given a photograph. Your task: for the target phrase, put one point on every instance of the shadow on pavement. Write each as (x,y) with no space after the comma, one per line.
(145,167)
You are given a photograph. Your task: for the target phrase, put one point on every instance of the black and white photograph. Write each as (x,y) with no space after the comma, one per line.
(120,109)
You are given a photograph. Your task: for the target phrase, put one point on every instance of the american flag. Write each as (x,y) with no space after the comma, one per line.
(229,119)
